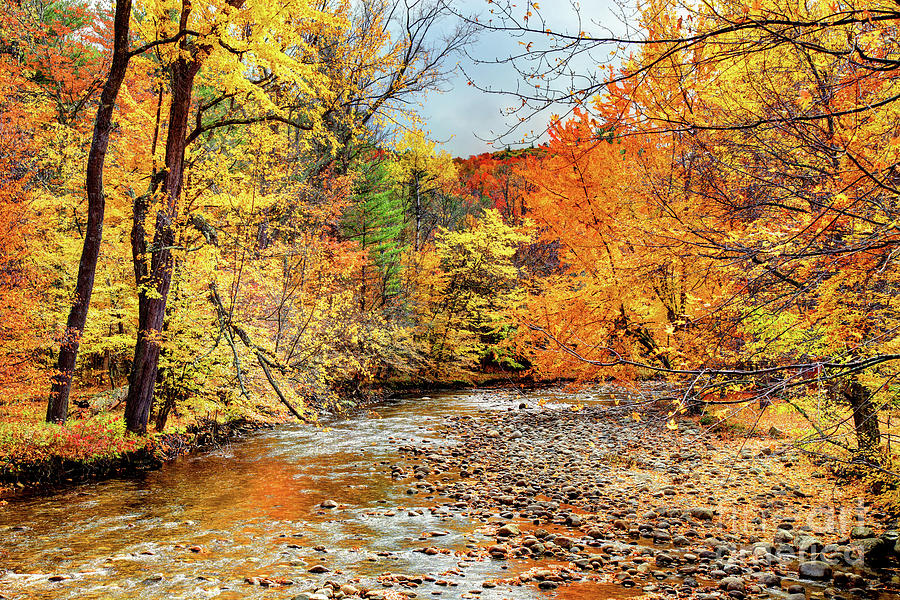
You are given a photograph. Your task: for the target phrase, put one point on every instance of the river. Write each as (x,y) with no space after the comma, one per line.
(202,525)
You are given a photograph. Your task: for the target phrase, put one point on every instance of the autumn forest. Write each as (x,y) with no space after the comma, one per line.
(230,214)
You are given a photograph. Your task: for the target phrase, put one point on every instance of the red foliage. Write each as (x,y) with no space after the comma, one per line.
(495,180)
(26,440)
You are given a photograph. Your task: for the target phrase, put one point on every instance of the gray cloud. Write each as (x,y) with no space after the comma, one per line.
(468,120)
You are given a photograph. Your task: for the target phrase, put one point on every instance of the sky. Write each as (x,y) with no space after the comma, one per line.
(465,120)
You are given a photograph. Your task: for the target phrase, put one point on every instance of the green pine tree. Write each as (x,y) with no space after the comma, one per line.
(376,221)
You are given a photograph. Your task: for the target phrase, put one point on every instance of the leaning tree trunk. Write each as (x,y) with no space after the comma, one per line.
(58,402)
(155,279)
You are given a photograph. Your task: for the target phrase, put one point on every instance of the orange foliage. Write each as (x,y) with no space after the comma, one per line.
(49,66)
(17,294)
(495,180)
(621,291)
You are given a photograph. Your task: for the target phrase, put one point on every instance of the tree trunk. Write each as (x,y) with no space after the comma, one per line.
(155,280)
(418,213)
(58,402)
(865,417)
(163,415)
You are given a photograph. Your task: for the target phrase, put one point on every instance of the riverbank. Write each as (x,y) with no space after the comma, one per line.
(490,494)
(108,452)
(36,456)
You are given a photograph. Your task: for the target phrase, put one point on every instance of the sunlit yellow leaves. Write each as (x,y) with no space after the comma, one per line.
(467,285)
(420,163)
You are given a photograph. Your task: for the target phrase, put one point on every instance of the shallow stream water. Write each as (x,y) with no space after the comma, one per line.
(202,525)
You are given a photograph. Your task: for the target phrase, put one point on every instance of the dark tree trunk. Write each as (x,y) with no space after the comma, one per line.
(155,279)
(163,415)
(418,213)
(58,402)
(865,417)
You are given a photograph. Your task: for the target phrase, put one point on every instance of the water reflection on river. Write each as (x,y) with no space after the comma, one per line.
(201,525)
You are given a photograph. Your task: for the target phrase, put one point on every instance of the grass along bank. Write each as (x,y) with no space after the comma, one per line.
(34,453)
(94,443)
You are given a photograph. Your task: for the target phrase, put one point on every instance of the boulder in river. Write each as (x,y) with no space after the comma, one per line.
(875,551)
(732,584)
(815,569)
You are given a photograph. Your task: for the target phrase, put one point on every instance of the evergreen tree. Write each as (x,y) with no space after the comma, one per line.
(376,222)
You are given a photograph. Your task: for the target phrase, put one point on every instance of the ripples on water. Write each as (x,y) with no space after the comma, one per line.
(252,508)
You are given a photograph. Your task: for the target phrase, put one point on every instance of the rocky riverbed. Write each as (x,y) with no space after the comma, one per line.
(593,497)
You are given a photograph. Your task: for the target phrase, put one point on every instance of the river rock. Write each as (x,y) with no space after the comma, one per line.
(663,559)
(732,584)
(548,585)
(563,541)
(702,514)
(763,548)
(843,579)
(508,530)
(767,579)
(814,569)
(783,536)
(809,546)
(874,551)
